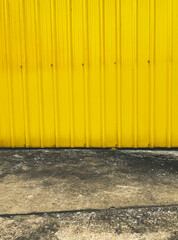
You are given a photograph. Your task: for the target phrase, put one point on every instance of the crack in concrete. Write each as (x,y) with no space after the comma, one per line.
(88,210)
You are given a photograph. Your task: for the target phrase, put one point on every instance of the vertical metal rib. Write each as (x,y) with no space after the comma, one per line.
(39,69)
(116,61)
(135,72)
(169,73)
(9,67)
(24,71)
(54,71)
(102,68)
(120,85)
(152,33)
(70,66)
(86,70)
(118,70)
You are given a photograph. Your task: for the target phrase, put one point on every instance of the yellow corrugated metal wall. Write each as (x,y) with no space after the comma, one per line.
(89,73)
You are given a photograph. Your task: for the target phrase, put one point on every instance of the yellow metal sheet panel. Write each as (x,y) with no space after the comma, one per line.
(89,73)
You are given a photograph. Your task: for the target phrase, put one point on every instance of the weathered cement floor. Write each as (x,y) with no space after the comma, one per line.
(55,180)
(67,180)
(113,224)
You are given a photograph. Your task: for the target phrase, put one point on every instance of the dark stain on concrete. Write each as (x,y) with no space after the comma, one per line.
(89,165)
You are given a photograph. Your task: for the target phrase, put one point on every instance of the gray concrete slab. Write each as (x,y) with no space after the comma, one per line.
(72,179)
(159,223)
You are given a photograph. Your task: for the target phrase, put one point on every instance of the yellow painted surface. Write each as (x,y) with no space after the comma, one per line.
(88,73)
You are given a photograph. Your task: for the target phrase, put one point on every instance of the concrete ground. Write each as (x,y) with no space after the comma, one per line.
(88,194)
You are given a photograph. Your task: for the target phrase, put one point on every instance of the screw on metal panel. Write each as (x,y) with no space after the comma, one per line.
(21,66)
(148,61)
(51,65)
(82,64)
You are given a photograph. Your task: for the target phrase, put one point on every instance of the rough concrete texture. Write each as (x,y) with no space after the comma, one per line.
(113,224)
(72,179)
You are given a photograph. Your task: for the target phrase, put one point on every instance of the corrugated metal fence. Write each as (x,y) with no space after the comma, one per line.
(89,73)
